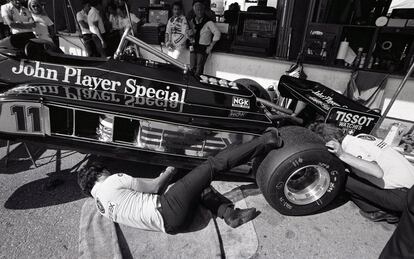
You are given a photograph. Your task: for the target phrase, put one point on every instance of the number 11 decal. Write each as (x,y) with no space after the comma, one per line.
(21,118)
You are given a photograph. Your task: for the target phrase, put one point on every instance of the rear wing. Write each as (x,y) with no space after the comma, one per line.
(337,109)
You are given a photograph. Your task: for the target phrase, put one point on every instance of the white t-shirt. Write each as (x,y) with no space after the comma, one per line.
(115,22)
(117,199)
(94,16)
(124,22)
(22,15)
(42,27)
(81,16)
(209,33)
(398,171)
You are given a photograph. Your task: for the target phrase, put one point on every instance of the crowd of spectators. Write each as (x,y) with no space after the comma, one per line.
(197,30)
(22,21)
(102,28)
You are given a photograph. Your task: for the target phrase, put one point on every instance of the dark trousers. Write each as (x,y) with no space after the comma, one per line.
(4,31)
(401,243)
(93,45)
(198,59)
(371,198)
(17,41)
(89,44)
(112,41)
(181,200)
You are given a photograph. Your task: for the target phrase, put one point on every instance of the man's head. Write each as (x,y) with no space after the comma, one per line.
(177,8)
(120,2)
(89,175)
(17,3)
(328,132)
(121,11)
(86,6)
(35,7)
(199,8)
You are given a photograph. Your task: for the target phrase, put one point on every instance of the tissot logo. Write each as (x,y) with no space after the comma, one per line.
(354,118)
(241,102)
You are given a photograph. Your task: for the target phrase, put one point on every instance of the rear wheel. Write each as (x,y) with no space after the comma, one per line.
(302,177)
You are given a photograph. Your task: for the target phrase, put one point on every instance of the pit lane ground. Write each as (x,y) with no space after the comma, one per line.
(40,213)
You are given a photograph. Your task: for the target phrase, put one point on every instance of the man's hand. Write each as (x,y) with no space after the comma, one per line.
(209,49)
(164,179)
(170,47)
(170,171)
(335,147)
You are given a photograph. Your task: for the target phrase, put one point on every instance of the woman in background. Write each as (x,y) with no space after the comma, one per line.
(175,34)
(124,20)
(203,36)
(44,25)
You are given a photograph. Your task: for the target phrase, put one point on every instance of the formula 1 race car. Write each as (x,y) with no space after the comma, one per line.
(160,113)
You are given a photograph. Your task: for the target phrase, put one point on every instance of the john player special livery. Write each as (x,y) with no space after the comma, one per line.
(160,113)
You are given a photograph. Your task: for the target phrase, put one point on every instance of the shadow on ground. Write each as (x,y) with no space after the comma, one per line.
(56,189)
(19,160)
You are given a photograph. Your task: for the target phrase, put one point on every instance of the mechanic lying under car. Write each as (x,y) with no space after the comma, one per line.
(135,202)
(380,176)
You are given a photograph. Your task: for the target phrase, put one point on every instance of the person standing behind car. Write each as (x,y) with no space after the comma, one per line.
(44,25)
(113,17)
(203,36)
(82,18)
(4,28)
(124,20)
(97,28)
(175,34)
(20,21)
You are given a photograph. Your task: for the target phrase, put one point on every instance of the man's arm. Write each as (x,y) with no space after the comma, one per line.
(156,185)
(168,34)
(18,25)
(84,24)
(363,166)
(216,36)
(97,32)
(93,22)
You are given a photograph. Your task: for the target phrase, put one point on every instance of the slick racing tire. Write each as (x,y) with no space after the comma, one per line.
(255,87)
(302,177)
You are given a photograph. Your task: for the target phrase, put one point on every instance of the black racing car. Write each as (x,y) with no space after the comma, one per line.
(160,113)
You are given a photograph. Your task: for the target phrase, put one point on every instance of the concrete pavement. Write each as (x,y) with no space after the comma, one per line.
(40,213)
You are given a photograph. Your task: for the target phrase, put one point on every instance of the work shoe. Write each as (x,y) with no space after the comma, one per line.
(237,217)
(380,215)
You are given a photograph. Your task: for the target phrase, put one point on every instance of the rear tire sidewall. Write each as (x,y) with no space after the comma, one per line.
(275,193)
(301,148)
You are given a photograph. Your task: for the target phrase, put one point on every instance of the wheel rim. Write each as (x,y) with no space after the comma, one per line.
(307,184)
